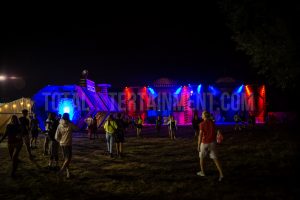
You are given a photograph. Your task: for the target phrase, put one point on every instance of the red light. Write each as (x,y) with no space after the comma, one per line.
(263,90)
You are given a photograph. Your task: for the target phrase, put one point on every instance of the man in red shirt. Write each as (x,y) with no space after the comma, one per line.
(206,143)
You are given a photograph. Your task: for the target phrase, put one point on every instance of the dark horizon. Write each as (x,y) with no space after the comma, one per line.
(187,47)
(121,51)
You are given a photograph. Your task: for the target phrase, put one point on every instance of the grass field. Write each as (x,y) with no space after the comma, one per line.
(258,164)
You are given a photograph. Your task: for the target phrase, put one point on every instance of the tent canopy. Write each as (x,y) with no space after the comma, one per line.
(13,108)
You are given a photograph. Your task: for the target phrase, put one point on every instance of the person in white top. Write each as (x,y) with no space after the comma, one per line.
(64,137)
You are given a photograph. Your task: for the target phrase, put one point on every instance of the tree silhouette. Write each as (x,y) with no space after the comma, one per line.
(267,32)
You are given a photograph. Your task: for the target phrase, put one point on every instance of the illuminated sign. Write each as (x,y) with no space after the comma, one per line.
(90,85)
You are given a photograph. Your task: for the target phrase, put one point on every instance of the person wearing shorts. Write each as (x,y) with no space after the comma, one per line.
(206,144)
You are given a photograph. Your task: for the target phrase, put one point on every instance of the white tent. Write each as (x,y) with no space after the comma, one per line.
(13,108)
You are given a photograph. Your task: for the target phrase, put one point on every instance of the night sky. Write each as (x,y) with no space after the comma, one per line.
(191,47)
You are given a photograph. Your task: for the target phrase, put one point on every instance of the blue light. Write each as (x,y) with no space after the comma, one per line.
(199,88)
(66,106)
(213,90)
(239,90)
(151,90)
(178,90)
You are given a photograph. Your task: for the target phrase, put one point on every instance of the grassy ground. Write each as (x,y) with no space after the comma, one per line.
(259,164)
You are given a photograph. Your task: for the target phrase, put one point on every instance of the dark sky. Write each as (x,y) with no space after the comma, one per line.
(186,46)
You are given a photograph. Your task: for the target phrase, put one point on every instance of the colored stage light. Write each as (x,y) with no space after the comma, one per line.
(151,90)
(239,89)
(199,88)
(248,90)
(213,90)
(262,90)
(66,106)
(178,90)
(66,109)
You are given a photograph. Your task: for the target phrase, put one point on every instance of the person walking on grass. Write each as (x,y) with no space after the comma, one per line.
(25,123)
(14,143)
(64,137)
(94,128)
(206,144)
(34,130)
(195,123)
(172,124)
(110,128)
(139,126)
(90,124)
(53,144)
(48,128)
(158,124)
(169,131)
(120,135)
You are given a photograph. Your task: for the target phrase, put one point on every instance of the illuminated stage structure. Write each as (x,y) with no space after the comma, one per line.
(80,101)
(223,99)
(13,108)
